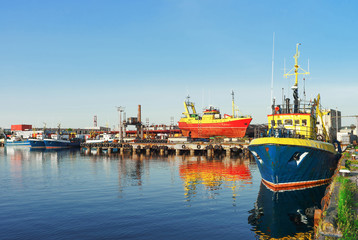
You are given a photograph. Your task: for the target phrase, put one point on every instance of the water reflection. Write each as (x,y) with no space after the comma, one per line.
(211,176)
(214,175)
(25,157)
(14,153)
(149,192)
(131,170)
(286,214)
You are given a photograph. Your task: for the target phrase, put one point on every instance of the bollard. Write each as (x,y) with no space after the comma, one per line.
(317,217)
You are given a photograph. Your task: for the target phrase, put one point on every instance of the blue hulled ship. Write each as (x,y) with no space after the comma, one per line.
(37,143)
(38,139)
(62,143)
(58,141)
(16,142)
(297,152)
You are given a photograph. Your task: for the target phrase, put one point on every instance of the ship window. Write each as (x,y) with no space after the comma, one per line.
(296,156)
(272,122)
(297,122)
(279,122)
(304,122)
(288,122)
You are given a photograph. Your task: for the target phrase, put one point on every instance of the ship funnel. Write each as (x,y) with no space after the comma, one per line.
(287,105)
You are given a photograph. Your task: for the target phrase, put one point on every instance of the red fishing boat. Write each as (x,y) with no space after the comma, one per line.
(212,123)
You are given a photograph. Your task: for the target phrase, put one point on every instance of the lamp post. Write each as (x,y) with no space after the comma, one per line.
(120,110)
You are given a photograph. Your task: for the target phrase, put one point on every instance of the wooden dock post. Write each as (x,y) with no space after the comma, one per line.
(192,151)
(177,151)
(227,151)
(99,151)
(209,152)
(147,151)
(110,151)
(88,150)
(121,150)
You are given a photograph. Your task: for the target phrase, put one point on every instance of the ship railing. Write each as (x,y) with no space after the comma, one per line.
(289,109)
(245,116)
(281,132)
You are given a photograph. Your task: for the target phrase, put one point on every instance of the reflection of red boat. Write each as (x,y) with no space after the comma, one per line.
(214,171)
(213,176)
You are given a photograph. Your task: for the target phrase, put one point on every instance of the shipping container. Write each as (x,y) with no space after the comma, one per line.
(21,127)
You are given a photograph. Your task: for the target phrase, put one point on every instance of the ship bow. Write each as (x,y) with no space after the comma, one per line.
(287,164)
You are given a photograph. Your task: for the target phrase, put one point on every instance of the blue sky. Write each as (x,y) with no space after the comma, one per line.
(66,61)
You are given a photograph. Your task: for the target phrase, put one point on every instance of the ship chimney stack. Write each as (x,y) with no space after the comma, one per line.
(287,105)
(139,113)
(95,121)
(139,126)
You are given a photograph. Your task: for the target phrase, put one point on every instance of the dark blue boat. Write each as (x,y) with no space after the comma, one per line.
(62,143)
(297,152)
(37,143)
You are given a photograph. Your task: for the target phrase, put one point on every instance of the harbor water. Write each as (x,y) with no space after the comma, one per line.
(65,194)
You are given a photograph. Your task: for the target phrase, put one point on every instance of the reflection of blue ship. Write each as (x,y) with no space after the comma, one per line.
(285,214)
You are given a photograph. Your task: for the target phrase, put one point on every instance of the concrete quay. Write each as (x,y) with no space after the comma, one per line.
(339,214)
(163,149)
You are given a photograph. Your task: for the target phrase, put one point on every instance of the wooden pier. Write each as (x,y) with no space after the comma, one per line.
(163,149)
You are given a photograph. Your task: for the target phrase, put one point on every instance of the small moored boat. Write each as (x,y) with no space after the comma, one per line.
(16,141)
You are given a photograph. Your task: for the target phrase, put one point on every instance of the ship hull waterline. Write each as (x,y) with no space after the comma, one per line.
(289,164)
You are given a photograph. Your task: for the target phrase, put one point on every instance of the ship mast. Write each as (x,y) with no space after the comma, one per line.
(233,104)
(296,73)
(188,104)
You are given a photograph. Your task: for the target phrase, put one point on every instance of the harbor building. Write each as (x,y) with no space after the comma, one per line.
(332,119)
